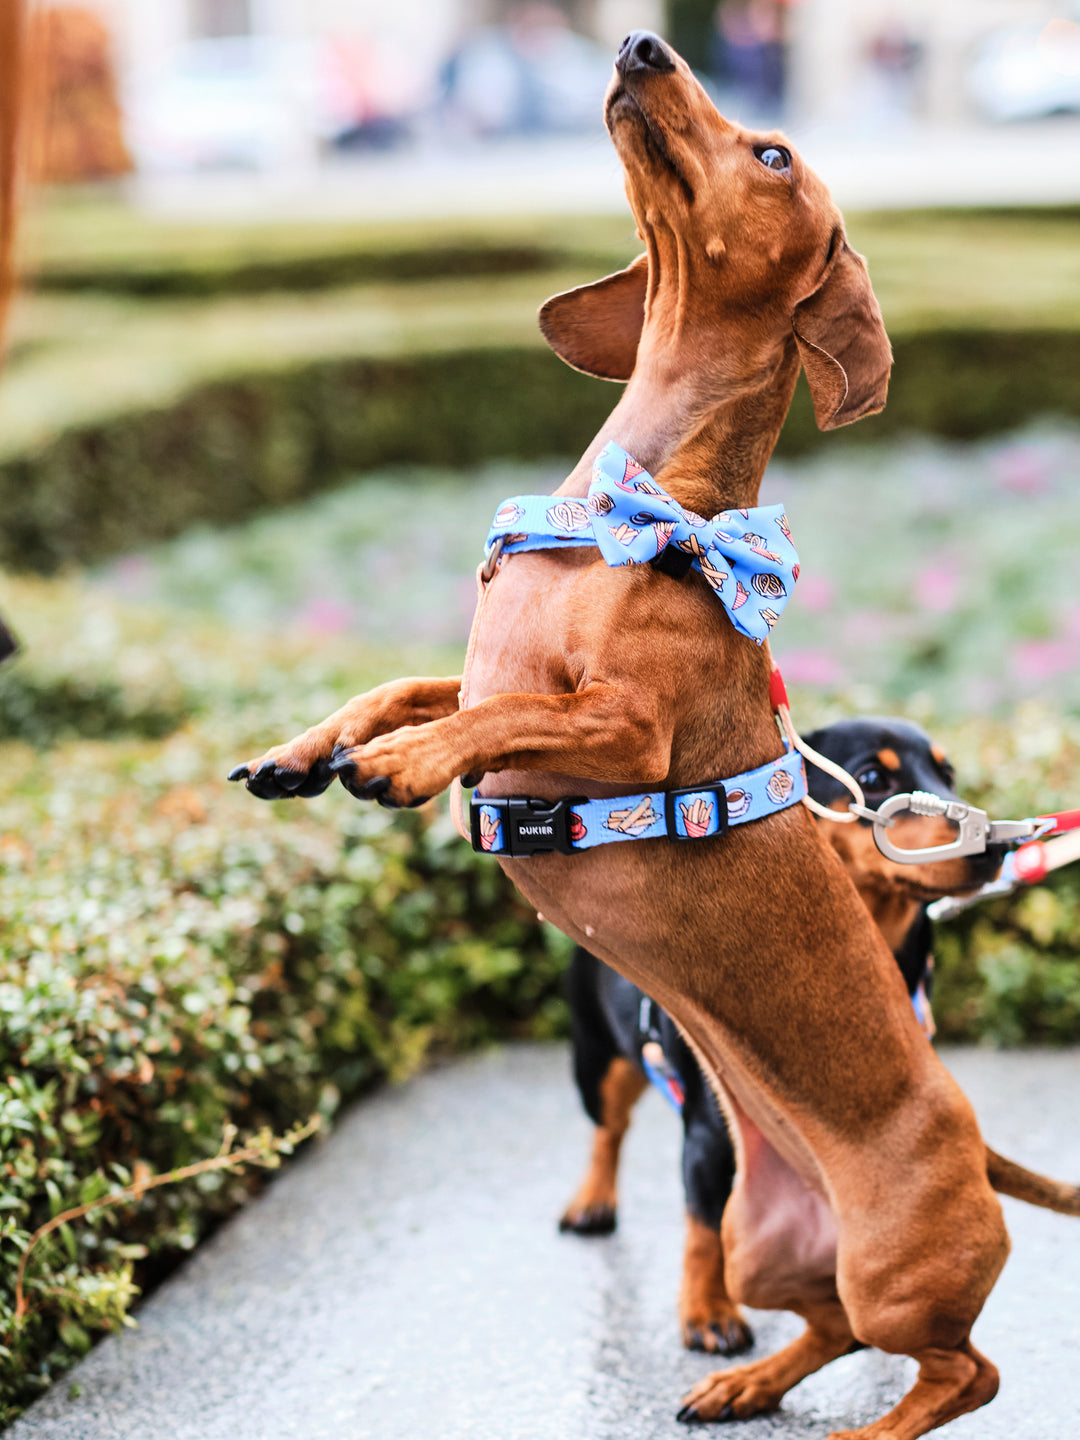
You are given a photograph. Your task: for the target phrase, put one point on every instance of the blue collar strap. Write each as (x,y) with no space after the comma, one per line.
(518,826)
(745,555)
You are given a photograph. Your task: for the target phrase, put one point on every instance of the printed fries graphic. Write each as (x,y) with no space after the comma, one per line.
(714,576)
(664,531)
(633,821)
(697,817)
(625,534)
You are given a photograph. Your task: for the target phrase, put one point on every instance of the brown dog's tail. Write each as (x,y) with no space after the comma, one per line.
(1008,1178)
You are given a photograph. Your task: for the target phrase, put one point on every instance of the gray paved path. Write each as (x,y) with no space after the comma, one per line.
(406,1280)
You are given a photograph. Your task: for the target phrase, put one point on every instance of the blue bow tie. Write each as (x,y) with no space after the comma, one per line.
(745,555)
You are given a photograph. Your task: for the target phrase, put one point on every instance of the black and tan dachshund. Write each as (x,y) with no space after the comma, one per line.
(622,1040)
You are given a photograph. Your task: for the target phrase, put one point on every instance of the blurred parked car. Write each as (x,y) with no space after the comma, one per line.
(259,102)
(1025,72)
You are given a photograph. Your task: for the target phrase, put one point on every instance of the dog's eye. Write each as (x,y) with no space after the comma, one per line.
(871,781)
(773,157)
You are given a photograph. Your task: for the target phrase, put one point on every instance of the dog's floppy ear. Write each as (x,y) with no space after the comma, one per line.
(596,328)
(842,342)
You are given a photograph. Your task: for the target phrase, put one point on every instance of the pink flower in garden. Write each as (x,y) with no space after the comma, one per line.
(326,616)
(867,627)
(937,586)
(816,592)
(132,575)
(1023,469)
(808,666)
(1035,660)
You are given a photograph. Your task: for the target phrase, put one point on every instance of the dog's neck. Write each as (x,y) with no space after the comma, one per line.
(709,454)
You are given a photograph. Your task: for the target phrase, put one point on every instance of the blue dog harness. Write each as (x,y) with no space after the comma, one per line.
(749,561)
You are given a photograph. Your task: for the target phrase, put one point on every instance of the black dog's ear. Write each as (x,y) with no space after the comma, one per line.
(596,328)
(842,341)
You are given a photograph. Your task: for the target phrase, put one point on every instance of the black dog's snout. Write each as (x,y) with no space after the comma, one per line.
(985,867)
(643,51)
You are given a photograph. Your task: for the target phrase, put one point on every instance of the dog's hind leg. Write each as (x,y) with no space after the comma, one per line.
(594,1207)
(950,1383)
(609,1085)
(709,1318)
(758,1388)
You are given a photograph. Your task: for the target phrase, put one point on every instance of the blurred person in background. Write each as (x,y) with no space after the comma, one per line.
(529,75)
(750,54)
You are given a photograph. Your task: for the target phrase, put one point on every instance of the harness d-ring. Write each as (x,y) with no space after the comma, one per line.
(491,559)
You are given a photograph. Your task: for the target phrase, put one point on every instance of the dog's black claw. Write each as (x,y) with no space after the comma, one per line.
(420,800)
(733,1337)
(263,785)
(319,778)
(375,788)
(728,1413)
(688,1416)
(695,1340)
(238,772)
(290,780)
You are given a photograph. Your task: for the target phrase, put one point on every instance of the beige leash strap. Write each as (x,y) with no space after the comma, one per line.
(857,809)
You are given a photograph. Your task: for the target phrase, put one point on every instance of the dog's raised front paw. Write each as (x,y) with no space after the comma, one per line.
(397,770)
(286,771)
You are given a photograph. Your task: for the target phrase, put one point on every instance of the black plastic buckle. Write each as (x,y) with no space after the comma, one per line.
(530,827)
(671,799)
(673,561)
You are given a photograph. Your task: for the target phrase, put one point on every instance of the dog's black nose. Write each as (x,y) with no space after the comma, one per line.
(985,867)
(642,51)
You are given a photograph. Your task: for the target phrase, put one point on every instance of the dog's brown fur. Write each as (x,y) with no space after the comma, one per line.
(587,679)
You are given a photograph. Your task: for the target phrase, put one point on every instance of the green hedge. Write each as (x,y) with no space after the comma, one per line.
(329,270)
(234,447)
(164,974)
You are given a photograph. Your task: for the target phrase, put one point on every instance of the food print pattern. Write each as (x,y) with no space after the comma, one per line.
(697,812)
(745,555)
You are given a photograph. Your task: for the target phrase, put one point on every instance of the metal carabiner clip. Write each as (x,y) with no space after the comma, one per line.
(977,830)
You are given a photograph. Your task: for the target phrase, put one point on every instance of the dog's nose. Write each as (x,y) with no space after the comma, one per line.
(985,867)
(643,51)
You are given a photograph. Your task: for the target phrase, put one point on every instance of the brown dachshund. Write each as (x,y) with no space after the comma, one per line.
(862,1201)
